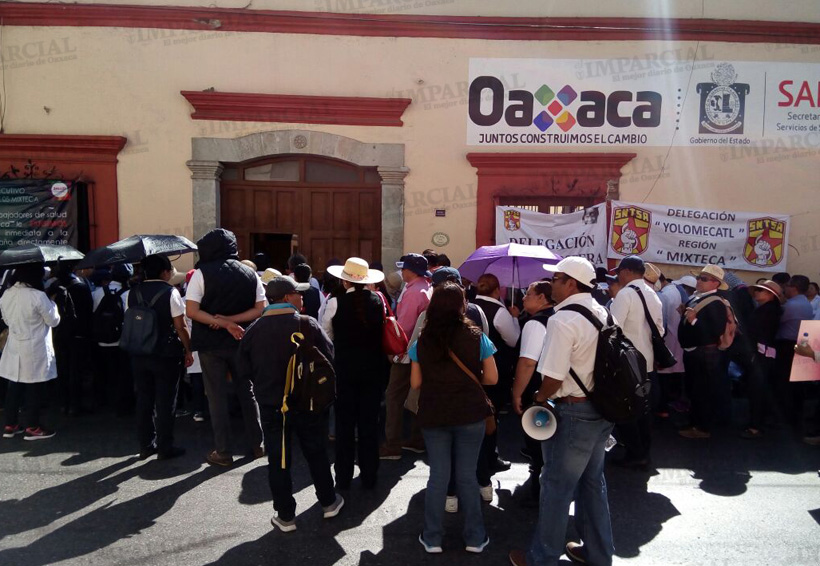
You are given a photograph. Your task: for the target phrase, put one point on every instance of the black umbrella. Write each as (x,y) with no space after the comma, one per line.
(135,248)
(37,253)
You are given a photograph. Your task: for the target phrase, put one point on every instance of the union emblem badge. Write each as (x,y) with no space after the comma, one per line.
(630,230)
(512,220)
(764,243)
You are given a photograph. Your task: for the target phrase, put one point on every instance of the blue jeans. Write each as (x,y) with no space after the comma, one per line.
(465,442)
(574,468)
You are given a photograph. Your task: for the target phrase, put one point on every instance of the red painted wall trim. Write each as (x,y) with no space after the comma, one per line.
(394,25)
(352,111)
(92,158)
(568,175)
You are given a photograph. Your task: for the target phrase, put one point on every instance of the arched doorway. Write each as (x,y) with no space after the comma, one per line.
(321,207)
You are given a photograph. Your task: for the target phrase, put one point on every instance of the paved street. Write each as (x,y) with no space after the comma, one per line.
(84,498)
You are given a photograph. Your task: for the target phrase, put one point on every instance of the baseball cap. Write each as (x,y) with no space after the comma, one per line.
(443,274)
(632,263)
(415,263)
(283,285)
(578,268)
(687,281)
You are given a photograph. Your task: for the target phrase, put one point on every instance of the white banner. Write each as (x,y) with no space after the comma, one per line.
(578,233)
(688,236)
(653,100)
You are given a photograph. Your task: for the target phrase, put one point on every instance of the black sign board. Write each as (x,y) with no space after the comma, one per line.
(38,211)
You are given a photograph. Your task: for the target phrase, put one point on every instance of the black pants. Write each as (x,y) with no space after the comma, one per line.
(157,382)
(113,380)
(72,356)
(199,400)
(28,395)
(357,407)
(311,429)
(760,390)
(637,436)
(706,374)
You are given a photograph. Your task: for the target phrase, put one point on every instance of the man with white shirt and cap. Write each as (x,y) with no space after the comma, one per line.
(574,456)
(630,308)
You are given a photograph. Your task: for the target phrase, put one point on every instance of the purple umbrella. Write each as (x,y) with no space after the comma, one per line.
(515,265)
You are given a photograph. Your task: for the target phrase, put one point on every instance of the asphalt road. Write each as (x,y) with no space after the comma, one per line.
(84,498)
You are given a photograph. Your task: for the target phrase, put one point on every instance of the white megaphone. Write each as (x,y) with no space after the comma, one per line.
(540,422)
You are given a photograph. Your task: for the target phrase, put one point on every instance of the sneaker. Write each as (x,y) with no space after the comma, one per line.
(333,509)
(38,433)
(486,493)
(12,431)
(429,548)
(478,549)
(182,413)
(282,525)
(199,417)
(172,452)
(386,453)
(499,465)
(575,552)
(416,447)
(146,453)
(217,459)
(694,432)
(518,558)
(451,504)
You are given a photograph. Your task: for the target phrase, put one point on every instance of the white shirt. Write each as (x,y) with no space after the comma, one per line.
(532,340)
(176,302)
(671,300)
(29,353)
(326,316)
(97,296)
(571,342)
(196,289)
(504,322)
(628,310)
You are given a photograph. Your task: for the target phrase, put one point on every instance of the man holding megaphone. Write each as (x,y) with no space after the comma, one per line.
(538,305)
(574,455)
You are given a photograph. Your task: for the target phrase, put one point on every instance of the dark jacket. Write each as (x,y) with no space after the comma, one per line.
(266,348)
(230,288)
(763,324)
(710,325)
(448,396)
(80,325)
(358,344)
(312,302)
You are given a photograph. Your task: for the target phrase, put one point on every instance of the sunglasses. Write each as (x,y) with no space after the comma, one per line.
(705,278)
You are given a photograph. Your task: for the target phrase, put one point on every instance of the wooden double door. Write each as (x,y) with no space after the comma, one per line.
(319,207)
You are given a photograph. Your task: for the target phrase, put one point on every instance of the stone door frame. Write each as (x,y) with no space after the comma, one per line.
(208,155)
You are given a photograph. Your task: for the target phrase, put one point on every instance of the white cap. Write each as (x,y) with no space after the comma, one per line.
(578,268)
(688,280)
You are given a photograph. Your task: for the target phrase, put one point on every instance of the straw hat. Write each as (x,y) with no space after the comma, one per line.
(772,288)
(356,270)
(652,273)
(716,272)
(269,274)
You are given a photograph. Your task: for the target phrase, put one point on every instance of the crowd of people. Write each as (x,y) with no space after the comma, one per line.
(228,329)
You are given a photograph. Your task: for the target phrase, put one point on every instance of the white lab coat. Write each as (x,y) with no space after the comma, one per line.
(29,353)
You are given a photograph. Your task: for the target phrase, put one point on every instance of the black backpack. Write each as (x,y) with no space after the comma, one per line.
(109,317)
(65,306)
(310,386)
(140,328)
(621,391)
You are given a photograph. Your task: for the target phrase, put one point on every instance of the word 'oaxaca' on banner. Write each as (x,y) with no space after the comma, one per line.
(648,100)
(580,233)
(37,211)
(688,236)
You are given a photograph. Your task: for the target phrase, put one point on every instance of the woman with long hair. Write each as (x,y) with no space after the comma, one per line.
(357,321)
(28,361)
(449,359)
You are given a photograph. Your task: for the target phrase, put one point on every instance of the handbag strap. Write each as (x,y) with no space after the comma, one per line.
(655,332)
(387,312)
(466,370)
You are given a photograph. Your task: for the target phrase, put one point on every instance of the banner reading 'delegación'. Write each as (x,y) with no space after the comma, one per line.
(687,236)
(578,234)
(654,100)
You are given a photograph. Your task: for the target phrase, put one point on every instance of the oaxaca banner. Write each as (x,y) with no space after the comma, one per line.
(37,211)
(580,233)
(681,97)
(688,236)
